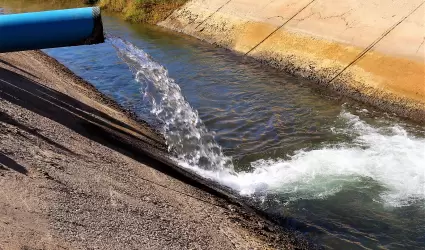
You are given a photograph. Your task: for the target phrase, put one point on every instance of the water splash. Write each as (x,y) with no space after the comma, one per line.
(185,134)
(388,157)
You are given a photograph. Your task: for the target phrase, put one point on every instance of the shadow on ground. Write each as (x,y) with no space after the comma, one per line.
(5,118)
(88,122)
(13,66)
(8,164)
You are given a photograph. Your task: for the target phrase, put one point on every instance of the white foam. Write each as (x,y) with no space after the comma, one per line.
(388,156)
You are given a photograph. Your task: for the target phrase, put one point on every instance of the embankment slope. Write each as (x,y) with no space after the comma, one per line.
(371,51)
(76,173)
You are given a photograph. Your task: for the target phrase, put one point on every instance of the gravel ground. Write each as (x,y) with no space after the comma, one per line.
(78,172)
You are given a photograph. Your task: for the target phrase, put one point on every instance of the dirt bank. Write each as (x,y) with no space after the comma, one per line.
(371,51)
(76,173)
(142,11)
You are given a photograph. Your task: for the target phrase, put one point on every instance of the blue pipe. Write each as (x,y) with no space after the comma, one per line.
(50,29)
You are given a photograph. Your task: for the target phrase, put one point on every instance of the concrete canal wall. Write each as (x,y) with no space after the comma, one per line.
(372,51)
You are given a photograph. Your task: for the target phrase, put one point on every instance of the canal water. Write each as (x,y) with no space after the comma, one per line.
(351,177)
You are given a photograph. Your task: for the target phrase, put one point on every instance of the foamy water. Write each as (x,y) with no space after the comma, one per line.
(387,156)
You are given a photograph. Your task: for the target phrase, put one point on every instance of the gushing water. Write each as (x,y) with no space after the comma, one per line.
(185,134)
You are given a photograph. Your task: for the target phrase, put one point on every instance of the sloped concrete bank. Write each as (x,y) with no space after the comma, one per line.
(371,51)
